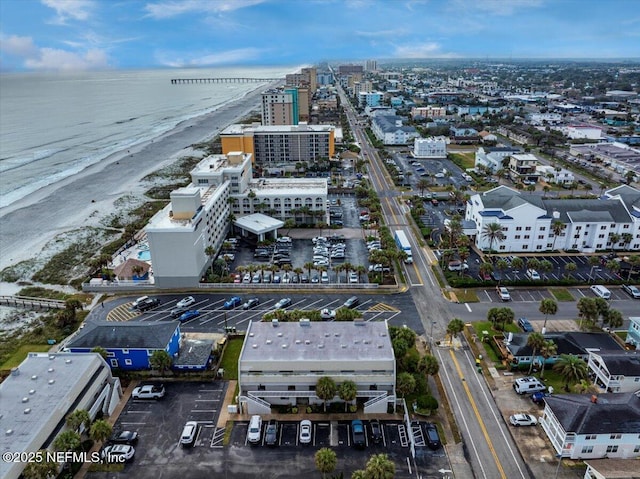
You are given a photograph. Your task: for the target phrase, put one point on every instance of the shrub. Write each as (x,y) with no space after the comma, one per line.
(427,401)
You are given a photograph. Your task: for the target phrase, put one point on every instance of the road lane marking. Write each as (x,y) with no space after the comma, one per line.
(468,308)
(465,385)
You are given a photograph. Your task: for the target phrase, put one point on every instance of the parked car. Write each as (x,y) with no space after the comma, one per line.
(352,302)
(186,302)
(377,268)
(353,278)
(538,397)
(376,431)
(328,313)
(631,290)
(283,303)
(124,437)
(147,304)
(232,302)
(305,431)
(148,391)
(255,429)
(177,312)
(433,438)
(503,293)
(304,278)
(525,325)
(118,453)
(315,278)
(251,303)
(256,278)
(357,434)
(187,315)
(271,433)
(523,420)
(189,432)
(246,278)
(533,275)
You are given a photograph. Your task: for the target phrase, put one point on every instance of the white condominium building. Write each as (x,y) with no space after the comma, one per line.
(432,147)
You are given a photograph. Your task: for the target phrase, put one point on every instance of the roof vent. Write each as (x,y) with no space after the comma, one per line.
(254,345)
(321,346)
(274,323)
(336,335)
(15,371)
(380,346)
(27,410)
(51,357)
(251,335)
(365,341)
(343,346)
(279,335)
(67,361)
(51,381)
(326,335)
(356,341)
(34,377)
(306,341)
(50,370)
(32,391)
(8,432)
(384,335)
(298,341)
(268,341)
(284,346)
(25,399)
(305,322)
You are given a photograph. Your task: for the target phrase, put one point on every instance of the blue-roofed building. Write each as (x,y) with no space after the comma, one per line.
(130,344)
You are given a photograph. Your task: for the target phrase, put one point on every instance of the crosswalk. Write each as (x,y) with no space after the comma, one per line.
(122,313)
(383,307)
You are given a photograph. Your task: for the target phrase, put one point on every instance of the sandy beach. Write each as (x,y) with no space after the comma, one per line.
(83,199)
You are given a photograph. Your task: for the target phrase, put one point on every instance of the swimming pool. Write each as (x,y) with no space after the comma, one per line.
(144,255)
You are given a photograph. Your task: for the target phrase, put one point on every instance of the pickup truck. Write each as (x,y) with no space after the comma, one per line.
(149,391)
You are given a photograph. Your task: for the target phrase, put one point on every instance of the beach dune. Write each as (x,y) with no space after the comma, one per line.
(83,199)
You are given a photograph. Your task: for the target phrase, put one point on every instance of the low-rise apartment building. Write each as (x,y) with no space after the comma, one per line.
(280,363)
(589,225)
(615,371)
(432,147)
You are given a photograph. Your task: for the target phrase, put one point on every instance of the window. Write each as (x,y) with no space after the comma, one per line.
(528,228)
(525,246)
(516,237)
(125,351)
(127,362)
(600,236)
(111,354)
(590,437)
(587,450)
(539,246)
(518,228)
(543,228)
(615,436)
(636,449)
(612,449)
(291,388)
(540,237)
(527,236)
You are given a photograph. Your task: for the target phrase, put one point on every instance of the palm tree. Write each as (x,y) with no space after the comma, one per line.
(405,384)
(486,269)
(326,460)
(572,369)
(547,306)
(593,262)
(422,185)
(587,311)
(557,227)
(360,269)
(548,349)
(160,360)
(613,266)
(326,389)
(428,365)
(494,233)
(615,239)
(67,441)
(380,467)
(454,327)
(570,267)
(100,430)
(347,391)
(535,341)
(79,417)
(210,251)
(613,318)
(42,467)
(101,351)
(533,263)
(309,266)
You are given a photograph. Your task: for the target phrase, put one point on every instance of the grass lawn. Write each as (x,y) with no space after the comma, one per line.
(562,294)
(466,296)
(21,353)
(230,358)
(464,160)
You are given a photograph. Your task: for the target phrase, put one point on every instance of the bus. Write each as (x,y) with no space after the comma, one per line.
(403,243)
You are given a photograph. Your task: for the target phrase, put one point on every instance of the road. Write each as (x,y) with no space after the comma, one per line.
(491,452)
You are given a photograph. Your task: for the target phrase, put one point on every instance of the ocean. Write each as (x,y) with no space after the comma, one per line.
(53,126)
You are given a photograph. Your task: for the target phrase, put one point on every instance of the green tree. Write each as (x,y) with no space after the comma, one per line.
(547,306)
(455,326)
(79,417)
(405,384)
(210,251)
(571,368)
(67,441)
(347,391)
(359,474)
(570,267)
(535,341)
(613,318)
(493,232)
(326,389)
(380,467)
(587,311)
(428,365)
(517,263)
(100,430)
(160,361)
(326,460)
(41,468)
(557,227)
(101,351)
(549,348)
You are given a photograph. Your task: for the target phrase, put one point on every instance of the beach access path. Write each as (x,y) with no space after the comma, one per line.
(83,199)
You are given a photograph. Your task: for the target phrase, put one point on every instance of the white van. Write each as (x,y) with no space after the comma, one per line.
(255,428)
(601,291)
(324,277)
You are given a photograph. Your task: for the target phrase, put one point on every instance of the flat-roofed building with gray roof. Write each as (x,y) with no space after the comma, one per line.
(281,362)
(616,371)
(583,426)
(39,394)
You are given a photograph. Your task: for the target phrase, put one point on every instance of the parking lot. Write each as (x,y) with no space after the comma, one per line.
(525,295)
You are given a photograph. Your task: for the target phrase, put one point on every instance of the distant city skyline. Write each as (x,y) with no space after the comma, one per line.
(66,35)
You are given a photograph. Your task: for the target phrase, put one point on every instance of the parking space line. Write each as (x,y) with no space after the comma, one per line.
(402,432)
(203,410)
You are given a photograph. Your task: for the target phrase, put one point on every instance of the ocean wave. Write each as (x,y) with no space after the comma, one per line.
(12,163)
(120,122)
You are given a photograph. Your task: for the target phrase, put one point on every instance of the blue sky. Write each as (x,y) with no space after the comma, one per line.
(98,34)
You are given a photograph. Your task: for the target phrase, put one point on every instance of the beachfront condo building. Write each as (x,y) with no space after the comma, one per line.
(223,191)
(280,106)
(281,146)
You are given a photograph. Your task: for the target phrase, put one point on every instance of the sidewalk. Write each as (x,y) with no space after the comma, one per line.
(126,394)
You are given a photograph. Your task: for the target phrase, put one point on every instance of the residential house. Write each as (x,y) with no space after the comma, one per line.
(487,137)
(522,168)
(492,157)
(557,176)
(581,426)
(616,371)
(432,147)
(464,135)
(633,333)
(129,344)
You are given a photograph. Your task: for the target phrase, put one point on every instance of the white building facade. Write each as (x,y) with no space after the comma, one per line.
(280,363)
(616,371)
(526,221)
(432,147)
(556,176)
(492,158)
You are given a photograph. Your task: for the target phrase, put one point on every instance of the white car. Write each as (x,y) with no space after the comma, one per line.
(189,433)
(503,293)
(439,175)
(353,278)
(377,268)
(523,420)
(532,274)
(118,453)
(149,391)
(327,313)
(305,431)
(186,302)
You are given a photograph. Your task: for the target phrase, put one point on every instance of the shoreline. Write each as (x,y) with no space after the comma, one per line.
(85,198)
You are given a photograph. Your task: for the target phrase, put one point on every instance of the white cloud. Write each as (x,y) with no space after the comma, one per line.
(381,33)
(494,7)
(173,8)
(36,58)
(421,50)
(73,9)
(220,58)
